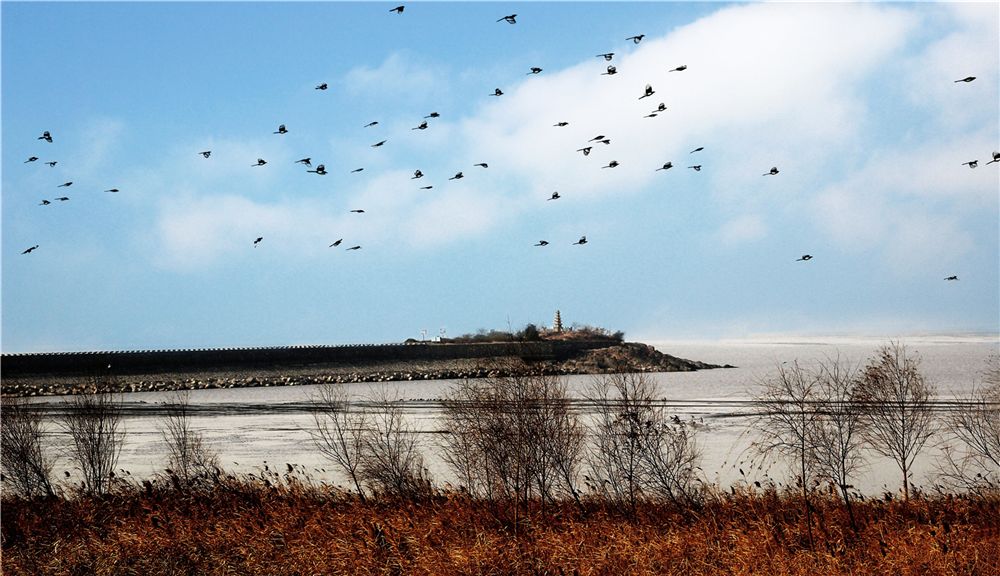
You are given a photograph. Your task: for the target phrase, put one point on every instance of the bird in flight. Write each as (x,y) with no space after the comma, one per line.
(260,162)
(581,241)
(32,159)
(322,86)
(586,151)
(535,70)
(417,174)
(45,203)
(482,165)
(636,39)
(398,9)
(805,258)
(281,130)
(511,19)
(370,124)
(698,149)
(650,115)
(358,211)
(498,92)
(971,163)
(542,243)
(257,241)
(422,126)
(46,136)
(306,161)
(458,176)
(966,79)
(649,92)
(773,171)
(321,170)
(65,185)
(612,164)
(596,138)
(337,243)
(426,187)
(355,248)
(607,56)
(112,190)
(356,170)
(432,115)
(696,167)
(951,278)
(555,196)
(996,158)
(63,198)
(661,107)
(30,250)
(611,71)
(666,166)
(52,163)
(605,141)
(561,124)
(206,153)
(681,68)
(379,143)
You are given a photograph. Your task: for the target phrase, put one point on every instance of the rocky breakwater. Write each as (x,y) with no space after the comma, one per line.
(632,357)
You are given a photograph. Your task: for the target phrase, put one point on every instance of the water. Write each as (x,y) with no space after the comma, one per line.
(254,427)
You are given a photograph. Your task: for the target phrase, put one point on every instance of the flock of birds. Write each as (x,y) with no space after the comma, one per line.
(610,70)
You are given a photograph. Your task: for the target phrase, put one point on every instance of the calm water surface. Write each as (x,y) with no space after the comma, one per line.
(254,427)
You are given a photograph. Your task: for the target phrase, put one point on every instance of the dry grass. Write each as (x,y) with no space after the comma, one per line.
(259,526)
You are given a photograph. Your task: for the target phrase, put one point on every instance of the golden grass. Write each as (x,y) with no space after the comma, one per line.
(247,526)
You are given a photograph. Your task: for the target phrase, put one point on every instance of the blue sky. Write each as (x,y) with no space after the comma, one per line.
(856,104)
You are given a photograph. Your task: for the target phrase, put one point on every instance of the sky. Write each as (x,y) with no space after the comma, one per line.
(856,104)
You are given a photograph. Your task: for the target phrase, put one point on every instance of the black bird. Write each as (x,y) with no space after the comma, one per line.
(379,143)
(322,86)
(696,167)
(612,164)
(32,159)
(666,166)
(370,124)
(257,241)
(661,107)
(426,187)
(581,241)
(773,171)
(636,39)
(112,190)
(46,136)
(321,170)
(281,130)
(966,79)
(971,163)
(206,153)
(417,174)
(432,115)
(555,196)
(607,56)
(52,163)
(65,185)
(540,243)
(605,141)
(649,92)
(698,149)
(358,211)
(650,115)
(260,162)
(996,158)
(62,198)
(45,203)
(949,278)
(458,176)
(561,124)
(306,161)
(586,151)
(804,258)
(679,68)
(398,9)
(596,138)
(535,70)
(355,248)
(356,170)
(337,243)
(512,19)
(30,250)
(611,71)
(422,126)
(498,92)
(482,165)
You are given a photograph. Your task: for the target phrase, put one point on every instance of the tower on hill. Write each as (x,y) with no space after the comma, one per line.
(557,323)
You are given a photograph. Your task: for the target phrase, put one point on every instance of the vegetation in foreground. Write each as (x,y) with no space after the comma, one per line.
(275,524)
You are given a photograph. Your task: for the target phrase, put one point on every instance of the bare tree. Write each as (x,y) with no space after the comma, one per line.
(94,424)
(975,425)
(339,430)
(391,462)
(187,455)
(896,399)
(26,467)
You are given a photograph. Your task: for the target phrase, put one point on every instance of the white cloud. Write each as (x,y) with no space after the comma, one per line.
(742,229)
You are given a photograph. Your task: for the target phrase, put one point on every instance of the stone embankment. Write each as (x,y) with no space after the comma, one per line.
(585,359)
